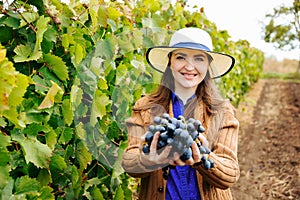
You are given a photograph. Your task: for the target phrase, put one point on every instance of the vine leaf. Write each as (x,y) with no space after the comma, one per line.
(35,151)
(99,106)
(7,82)
(66,135)
(119,194)
(15,99)
(12,88)
(16,95)
(49,99)
(57,65)
(28,18)
(5,158)
(67,111)
(41,26)
(26,184)
(83,156)
(2,54)
(23,54)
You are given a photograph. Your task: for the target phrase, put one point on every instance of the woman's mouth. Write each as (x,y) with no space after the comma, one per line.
(188,76)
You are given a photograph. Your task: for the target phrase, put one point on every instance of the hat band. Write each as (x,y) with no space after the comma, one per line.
(191,45)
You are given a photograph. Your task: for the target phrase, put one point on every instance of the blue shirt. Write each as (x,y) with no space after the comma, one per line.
(182,183)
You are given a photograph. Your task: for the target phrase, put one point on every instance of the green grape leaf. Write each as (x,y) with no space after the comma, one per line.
(4,141)
(105,49)
(66,135)
(15,98)
(102,85)
(36,152)
(76,96)
(102,16)
(26,184)
(93,14)
(7,82)
(67,112)
(117,169)
(7,190)
(12,22)
(96,194)
(58,163)
(121,73)
(83,156)
(79,53)
(119,194)
(24,54)
(41,26)
(12,115)
(44,177)
(101,100)
(33,129)
(125,43)
(58,167)
(51,139)
(50,34)
(93,194)
(46,193)
(4,174)
(66,40)
(5,36)
(4,157)
(113,13)
(76,180)
(2,122)
(16,95)
(41,85)
(57,65)
(49,99)
(2,53)
(28,18)
(48,75)
(80,131)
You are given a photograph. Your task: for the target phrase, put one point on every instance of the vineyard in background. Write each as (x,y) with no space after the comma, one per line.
(69,75)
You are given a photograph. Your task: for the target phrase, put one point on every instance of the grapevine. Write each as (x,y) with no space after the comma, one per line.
(69,76)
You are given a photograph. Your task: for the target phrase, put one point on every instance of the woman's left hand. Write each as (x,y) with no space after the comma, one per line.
(196,155)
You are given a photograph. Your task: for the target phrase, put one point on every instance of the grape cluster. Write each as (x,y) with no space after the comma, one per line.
(180,134)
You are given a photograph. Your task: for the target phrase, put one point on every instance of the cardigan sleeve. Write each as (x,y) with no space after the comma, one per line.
(136,127)
(226,168)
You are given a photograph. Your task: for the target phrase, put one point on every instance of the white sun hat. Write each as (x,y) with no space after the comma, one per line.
(190,38)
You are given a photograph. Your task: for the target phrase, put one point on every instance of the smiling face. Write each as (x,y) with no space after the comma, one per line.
(189,67)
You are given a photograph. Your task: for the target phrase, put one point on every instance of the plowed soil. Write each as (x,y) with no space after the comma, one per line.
(269,142)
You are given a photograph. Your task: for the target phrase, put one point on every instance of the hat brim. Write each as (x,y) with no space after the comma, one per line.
(221,64)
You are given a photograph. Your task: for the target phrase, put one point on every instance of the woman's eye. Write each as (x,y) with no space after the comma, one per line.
(180,58)
(199,59)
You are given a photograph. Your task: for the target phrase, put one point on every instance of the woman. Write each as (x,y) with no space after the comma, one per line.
(186,88)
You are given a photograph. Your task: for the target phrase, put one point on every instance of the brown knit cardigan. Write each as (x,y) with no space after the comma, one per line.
(213,184)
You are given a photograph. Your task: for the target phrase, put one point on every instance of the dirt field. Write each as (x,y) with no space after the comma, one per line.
(269,142)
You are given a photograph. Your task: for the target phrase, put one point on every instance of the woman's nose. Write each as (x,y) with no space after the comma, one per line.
(189,65)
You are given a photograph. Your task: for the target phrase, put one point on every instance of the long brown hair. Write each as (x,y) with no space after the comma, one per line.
(206,92)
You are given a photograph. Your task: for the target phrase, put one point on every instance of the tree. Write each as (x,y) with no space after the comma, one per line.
(283,27)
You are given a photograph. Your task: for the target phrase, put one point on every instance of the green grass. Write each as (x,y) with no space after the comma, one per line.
(287,76)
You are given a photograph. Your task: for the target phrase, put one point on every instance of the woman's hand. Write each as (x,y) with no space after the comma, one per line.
(196,155)
(154,159)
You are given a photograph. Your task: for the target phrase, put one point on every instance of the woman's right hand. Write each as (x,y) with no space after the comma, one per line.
(153,159)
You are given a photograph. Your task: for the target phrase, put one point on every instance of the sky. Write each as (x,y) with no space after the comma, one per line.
(243,20)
